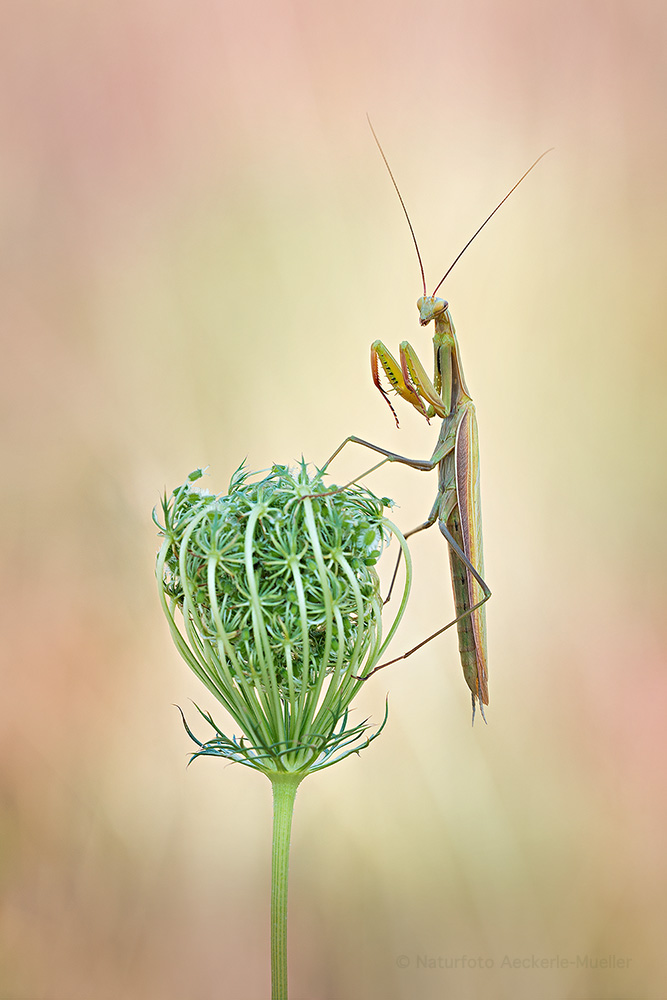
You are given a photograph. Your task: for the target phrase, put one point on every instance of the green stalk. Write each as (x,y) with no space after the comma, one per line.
(284,786)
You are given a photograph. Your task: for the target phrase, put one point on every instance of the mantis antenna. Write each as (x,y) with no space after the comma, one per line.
(400,198)
(477,231)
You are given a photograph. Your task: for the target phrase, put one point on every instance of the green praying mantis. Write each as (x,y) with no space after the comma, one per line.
(457,507)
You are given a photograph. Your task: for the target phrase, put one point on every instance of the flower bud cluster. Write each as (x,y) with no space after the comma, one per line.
(279,598)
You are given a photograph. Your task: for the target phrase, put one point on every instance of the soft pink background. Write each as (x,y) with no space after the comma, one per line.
(199,241)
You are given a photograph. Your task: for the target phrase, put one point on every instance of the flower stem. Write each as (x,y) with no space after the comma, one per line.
(284,786)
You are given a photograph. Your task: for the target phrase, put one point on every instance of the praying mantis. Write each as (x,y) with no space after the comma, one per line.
(457,507)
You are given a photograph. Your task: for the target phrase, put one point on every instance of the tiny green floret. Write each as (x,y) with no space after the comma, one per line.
(273,600)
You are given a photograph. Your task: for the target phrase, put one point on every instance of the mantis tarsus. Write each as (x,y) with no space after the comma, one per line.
(457,506)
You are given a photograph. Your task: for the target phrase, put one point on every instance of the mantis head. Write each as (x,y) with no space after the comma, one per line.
(430,308)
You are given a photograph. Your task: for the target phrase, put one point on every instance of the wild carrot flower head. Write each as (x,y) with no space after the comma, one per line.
(273,600)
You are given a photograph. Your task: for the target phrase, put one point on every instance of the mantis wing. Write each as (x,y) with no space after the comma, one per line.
(471,628)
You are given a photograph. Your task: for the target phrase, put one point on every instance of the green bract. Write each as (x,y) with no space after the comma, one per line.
(273,600)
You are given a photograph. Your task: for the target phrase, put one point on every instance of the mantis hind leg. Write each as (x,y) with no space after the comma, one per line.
(453,544)
(470,620)
(468,611)
(455,547)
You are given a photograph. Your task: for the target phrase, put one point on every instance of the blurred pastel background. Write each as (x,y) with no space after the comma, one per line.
(199,242)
